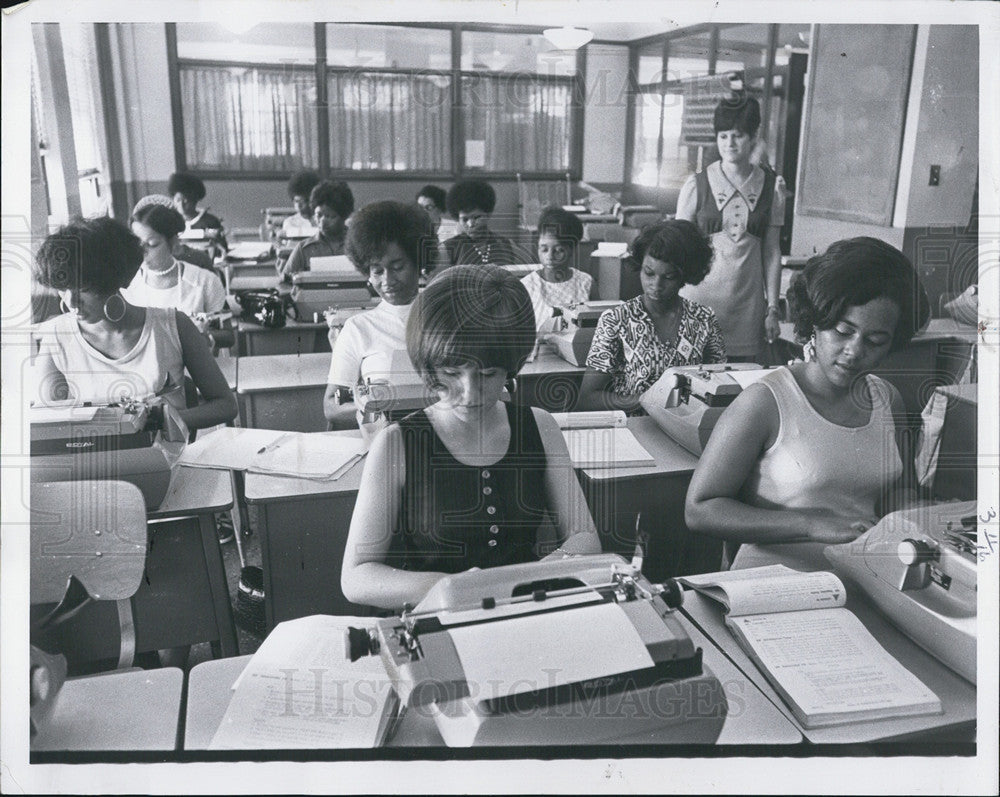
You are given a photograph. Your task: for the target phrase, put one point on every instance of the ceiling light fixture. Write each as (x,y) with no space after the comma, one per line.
(568,38)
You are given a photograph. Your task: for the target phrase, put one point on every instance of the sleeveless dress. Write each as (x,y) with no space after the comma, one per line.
(154,366)
(456,516)
(817,464)
(735,219)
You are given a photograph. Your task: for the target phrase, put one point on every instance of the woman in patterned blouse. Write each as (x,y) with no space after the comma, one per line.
(638,340)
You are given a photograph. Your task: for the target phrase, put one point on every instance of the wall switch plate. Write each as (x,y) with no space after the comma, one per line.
(935,175)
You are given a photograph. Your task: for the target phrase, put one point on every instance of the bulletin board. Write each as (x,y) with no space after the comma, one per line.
(859,78)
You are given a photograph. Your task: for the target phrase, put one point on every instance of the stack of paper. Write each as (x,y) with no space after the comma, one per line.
(601,440)
(299,691)
(249,250)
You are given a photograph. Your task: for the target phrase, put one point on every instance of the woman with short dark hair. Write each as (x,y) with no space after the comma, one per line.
(466,482)
(471,203)
(103,347)
(806,456)
(300,186)
(638,340)
(332,204)
(741,208)
(187,190)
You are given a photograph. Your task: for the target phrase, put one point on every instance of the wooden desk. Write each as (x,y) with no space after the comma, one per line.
(958,696)
(616,495)
(303,525)
(127,710)
(283,391)
(295,337)
(752,718)
(183,598)
(549,382)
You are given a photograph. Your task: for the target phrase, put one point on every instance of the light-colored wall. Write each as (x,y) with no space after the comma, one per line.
(604,119)
(947,131)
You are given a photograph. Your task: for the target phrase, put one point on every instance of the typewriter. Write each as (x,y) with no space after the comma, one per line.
(332,283)
(572,343)
(573,651)
(919,567)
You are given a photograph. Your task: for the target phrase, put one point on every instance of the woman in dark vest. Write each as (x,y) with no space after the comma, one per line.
(740,207)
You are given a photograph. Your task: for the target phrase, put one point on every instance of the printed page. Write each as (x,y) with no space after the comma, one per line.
(595,419)
(300,691)
(605,448)
(776,588)
(830,668)
(509,657)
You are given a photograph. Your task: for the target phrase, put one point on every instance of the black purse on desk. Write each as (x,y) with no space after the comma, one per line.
(265,307)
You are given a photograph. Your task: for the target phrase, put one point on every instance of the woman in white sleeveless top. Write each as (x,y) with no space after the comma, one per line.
(104,348)
(812,453)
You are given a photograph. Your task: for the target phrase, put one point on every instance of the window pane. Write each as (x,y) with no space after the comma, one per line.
(676,163)
(688,57)
(271,43)
(388,121)
(791,39)
(514,52)
(645,170)
(742,47)
(387,46)
(516,123)
(650,64)
(246,119)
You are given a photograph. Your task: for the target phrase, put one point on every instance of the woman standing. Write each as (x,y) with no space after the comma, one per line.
(740,207)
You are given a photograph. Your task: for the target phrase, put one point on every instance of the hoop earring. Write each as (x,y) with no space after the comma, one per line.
(511,385)
(63,307)
(809,349)
(121,315)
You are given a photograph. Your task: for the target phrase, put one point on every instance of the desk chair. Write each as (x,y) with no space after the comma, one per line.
(95,531)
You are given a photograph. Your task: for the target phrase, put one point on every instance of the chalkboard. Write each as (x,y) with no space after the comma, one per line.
(859,78)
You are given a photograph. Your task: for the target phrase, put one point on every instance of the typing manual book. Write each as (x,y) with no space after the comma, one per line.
(817,654)
(601,440)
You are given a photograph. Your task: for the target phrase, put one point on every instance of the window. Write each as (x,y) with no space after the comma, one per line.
(394,99)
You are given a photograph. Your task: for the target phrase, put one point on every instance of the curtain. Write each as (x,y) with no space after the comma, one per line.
(395,122)
(248,118)
(524,121)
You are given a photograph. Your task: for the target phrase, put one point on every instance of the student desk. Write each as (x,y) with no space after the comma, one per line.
(958,696)
(295,337)
(303,525)
(549,382)
(283,391)
(183,598)
(616,496)
(752,719)
(240,269)
(942,354)
(122,710)
(255,282)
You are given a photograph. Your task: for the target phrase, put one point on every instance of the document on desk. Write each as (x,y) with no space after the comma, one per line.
(601,440)
(228,448)
(817,655)
(299,691)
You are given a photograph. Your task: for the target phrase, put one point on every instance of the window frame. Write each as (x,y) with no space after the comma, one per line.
(322,69)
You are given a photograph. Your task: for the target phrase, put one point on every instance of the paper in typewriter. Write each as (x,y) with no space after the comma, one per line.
(525,654)
(300,692)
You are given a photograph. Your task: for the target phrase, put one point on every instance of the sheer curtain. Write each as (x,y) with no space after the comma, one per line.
(523,120)
(389,121)
(248,118)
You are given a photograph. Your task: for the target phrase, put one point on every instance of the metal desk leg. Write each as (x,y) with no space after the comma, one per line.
(216,572)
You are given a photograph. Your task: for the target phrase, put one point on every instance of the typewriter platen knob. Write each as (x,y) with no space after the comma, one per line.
(672,594)
(359,642)
(912,552)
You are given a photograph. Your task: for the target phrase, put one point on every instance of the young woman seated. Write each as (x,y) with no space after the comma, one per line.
(163,280)
(809,454)
(556,285)
(332,204)
(388,242)
(467,482)
(637,341)
(300,186)
(187,190)
(471,203)
(103,347)
(189,254)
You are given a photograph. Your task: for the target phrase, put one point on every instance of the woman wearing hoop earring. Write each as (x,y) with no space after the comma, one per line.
(104,347)
(162,279)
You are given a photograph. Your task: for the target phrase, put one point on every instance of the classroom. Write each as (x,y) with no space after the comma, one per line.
(559,368)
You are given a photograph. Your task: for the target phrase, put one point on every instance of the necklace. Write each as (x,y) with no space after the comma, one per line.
(164,273)
(484,254)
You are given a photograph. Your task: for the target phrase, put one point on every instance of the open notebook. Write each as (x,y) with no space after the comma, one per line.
(601,440)
(318,455)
